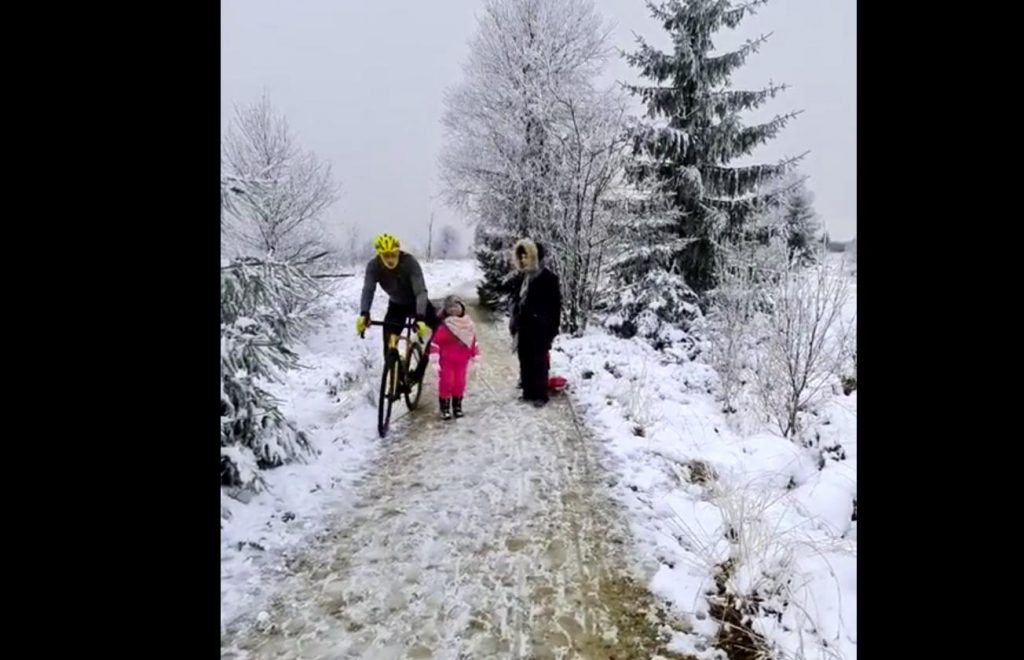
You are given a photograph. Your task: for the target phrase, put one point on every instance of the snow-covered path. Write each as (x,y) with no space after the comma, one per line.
(488,536)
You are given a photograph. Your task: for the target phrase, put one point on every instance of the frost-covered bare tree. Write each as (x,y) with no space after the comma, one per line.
(591,148)
(278,191)
(727,329)
(430,238)
(499,156)
(731,327)
(353,245)
(808,340)
(776,321)
(449,242)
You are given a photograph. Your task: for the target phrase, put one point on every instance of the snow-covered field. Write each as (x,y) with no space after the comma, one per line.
(699,494)
(334,399)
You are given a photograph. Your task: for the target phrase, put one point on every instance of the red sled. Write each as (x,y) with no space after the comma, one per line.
(555,383)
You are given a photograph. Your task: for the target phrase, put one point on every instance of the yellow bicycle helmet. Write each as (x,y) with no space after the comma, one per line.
(385,243)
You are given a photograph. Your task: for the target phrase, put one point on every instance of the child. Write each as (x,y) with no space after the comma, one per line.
(455,343)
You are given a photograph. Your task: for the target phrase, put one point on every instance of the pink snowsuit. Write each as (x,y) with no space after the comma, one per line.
(453,357)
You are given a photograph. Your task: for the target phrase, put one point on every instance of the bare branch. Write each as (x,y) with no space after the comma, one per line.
(276,192)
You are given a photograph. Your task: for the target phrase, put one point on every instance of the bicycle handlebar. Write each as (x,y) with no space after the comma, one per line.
(390,324)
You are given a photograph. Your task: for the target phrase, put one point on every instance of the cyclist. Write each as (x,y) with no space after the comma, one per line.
(400,275)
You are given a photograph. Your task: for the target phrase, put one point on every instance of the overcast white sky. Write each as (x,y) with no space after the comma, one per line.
(361,83)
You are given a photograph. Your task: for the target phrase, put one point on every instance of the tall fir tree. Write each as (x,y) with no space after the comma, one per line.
(683,155)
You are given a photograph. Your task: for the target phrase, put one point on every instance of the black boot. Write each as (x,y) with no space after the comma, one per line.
(457,406)
(446,411)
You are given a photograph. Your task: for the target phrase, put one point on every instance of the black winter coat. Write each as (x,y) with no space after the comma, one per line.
(538,319)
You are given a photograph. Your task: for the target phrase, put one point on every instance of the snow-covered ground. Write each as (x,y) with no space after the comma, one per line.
(695,492)
(490,536)
(699,494)
(333,398)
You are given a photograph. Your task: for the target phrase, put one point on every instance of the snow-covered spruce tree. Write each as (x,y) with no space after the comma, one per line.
(649,297)
(264,306)
(684,153)
(790,217)
(499,162)
(493,253)
(801,225)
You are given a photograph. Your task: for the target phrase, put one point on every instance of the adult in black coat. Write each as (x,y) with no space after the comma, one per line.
(536,315)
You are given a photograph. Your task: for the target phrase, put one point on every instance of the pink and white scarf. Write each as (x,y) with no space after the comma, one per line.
(462,327)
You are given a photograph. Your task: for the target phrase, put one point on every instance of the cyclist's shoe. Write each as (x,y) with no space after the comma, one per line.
(446,410)
(457,406)
(421,330)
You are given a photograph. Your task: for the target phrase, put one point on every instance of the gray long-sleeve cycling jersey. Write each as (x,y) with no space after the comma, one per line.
(404,285)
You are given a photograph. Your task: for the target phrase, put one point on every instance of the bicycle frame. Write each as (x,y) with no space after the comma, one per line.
(395,380)
(402,338)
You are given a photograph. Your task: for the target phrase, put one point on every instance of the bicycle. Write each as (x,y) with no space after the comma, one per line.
(398,366)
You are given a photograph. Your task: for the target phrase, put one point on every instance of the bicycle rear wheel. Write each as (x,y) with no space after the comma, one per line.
(388,385)
(413,390)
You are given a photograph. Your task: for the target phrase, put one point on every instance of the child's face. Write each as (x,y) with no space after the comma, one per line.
(453,310)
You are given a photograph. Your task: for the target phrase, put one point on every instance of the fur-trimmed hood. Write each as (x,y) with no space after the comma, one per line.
(532,255)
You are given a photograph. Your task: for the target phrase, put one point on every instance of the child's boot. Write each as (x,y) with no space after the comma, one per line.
(457,406)
(446,411)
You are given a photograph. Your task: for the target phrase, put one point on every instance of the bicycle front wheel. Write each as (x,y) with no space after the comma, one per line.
(388,385)
(413,391)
